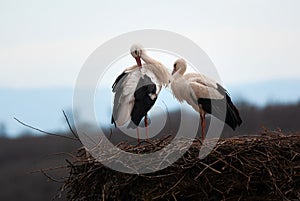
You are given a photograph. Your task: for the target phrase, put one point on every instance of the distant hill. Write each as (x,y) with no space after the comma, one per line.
(42,107)
(22,156)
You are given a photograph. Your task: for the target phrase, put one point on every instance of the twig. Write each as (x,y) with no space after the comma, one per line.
(45,132)
(69,125)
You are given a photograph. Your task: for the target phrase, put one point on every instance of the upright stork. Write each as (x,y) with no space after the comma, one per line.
(136,89)
(204,95)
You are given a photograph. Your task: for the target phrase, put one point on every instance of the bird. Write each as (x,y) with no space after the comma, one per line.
(205,96)
(136,89)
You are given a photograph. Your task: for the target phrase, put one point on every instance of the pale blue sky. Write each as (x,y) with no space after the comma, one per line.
(44,44)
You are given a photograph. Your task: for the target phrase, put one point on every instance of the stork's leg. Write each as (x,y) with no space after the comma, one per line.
(203,124)
(146,125)
(138,135)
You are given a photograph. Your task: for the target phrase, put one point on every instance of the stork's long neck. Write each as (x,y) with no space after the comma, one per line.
(148,59)
(178,78)
(160,71)
(176,75)
(182,70)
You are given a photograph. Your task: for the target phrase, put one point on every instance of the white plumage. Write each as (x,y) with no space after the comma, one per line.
(126,101)
(129,85)
(142,81)
(204,95)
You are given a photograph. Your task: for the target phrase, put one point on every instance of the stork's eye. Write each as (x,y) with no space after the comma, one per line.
(175,66)
(136,52)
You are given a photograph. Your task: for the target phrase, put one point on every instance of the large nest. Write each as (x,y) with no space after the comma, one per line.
(265,167)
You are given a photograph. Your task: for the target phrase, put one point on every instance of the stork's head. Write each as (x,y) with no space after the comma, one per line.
(179,66)
(137,51)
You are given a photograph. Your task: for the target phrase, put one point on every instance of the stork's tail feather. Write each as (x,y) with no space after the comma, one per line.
(233,118)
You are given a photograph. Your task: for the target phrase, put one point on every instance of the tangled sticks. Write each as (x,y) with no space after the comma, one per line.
(264,167)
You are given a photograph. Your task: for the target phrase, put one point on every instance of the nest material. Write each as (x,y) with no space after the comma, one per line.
(265,167)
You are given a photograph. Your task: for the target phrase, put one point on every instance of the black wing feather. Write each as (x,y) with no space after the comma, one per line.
(143,103)
(222,108)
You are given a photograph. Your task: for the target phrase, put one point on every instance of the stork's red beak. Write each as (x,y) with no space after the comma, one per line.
(138,61)
(174,71)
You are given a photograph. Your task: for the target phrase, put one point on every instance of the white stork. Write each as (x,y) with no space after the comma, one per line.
(137,88)
(204,95)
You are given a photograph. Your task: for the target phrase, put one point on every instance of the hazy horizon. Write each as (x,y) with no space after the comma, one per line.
(42,107)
